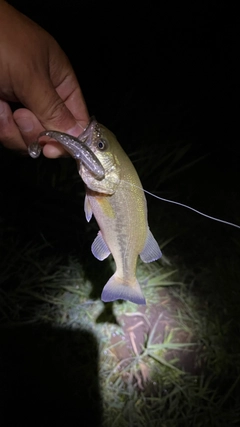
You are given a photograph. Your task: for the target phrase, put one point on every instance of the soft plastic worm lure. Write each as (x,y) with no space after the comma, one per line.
(77,148)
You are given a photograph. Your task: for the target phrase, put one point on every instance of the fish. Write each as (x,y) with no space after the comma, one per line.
(118,203)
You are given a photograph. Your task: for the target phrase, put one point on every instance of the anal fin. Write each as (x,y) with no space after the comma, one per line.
(151,251)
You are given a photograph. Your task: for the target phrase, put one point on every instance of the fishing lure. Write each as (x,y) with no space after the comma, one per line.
(77,147)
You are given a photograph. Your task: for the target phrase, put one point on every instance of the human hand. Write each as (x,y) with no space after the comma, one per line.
(35,72)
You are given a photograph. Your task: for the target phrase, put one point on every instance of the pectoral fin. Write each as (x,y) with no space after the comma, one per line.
(99,247)
(87,209)
(151,251)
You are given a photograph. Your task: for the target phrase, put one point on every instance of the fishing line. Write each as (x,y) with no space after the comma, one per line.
(185,206)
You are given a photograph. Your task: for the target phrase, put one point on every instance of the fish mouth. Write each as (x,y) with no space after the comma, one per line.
(88,134)
(77,147)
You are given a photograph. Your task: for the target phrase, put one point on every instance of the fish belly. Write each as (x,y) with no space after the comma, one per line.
(123,229)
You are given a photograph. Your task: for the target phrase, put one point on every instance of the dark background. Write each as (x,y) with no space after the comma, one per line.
(169,67)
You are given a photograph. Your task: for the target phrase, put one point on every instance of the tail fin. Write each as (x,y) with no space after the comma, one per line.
(115,289)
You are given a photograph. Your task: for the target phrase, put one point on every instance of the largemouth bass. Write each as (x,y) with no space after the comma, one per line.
(118,204)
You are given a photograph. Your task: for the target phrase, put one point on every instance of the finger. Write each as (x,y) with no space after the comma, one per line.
(71,93)
(10,135)
(28,125)
(50,100)
(66,84)
(30,128)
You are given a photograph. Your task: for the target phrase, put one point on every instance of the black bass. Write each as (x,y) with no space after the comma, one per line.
(119,206)
(117,201)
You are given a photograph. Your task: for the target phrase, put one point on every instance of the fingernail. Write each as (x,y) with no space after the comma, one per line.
(76,130)
(24,124)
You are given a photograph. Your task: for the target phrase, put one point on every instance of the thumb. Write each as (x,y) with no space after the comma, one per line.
(62,109)
(48,109)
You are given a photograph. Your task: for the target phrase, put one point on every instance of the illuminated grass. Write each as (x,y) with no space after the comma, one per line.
(148,387)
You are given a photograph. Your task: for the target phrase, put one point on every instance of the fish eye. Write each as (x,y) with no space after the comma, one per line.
(102,144)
